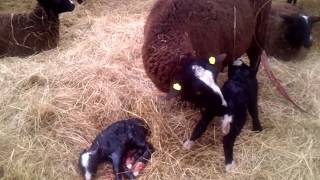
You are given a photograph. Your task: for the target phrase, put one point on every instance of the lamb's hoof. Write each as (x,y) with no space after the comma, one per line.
(129,166)
(230,167)
(137,168)
(188,145)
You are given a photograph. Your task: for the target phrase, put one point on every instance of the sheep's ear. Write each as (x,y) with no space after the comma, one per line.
(175,91)
(218,61)
(314,19)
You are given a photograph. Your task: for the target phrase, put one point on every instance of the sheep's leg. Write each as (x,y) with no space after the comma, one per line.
(199,129)
(253,107)
(229,139)
(254,53)
(117,166)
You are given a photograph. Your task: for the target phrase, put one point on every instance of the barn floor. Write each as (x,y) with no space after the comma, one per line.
(53,104)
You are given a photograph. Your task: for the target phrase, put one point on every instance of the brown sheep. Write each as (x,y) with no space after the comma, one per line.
(288,31)
(30,33)
(202,28)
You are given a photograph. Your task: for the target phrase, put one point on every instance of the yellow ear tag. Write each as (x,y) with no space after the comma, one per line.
(212,60)
(177,86)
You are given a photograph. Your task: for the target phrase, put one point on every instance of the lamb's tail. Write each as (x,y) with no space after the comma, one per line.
(276,82)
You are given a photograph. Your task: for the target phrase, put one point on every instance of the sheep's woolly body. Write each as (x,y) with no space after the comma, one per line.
(201,28)
(26,34)
(276,44)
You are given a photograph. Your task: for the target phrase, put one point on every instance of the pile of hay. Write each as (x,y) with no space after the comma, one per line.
(53,104)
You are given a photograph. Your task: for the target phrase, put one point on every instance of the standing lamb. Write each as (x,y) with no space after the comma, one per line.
(289,29)
(241,94)
(27,34)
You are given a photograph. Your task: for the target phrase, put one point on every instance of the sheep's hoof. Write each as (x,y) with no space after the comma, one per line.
(230,167)
(188,145)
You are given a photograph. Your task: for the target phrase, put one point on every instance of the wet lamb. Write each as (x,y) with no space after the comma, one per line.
(30,33)
(124,143)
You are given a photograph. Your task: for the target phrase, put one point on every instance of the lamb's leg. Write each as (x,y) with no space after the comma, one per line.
(144,152)
(229,139)
(253,107)
(200,128)
(117,166)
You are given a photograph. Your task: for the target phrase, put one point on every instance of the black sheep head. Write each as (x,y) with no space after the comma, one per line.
(58,6)
(299,30)
(195,81)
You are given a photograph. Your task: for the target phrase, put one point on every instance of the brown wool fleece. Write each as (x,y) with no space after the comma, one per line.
(201,28)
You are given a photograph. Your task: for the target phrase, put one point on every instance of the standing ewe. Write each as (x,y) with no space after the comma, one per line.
(288,31)
(117,144)
(27,34)
(201,28)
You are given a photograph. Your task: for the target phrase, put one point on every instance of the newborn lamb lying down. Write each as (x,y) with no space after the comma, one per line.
(124,143)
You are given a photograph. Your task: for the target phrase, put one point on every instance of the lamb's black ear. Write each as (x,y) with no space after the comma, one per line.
(314,19)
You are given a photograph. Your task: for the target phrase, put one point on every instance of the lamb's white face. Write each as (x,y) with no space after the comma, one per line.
(207,78)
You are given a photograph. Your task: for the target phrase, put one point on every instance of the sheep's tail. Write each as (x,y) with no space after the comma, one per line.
(276,82)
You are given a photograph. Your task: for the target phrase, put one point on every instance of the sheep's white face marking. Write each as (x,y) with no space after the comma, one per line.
(225,126)
(85,158)
(231,166)
(237,62)
(306,18)
(71,1)
(188,144)
(207,78)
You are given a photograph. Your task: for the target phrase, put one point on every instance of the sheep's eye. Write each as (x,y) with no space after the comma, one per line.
(177,86)
(198,93)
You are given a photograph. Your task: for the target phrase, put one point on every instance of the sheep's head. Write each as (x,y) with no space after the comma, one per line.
(195,81)
(58,6)
(299,30)
(88,163)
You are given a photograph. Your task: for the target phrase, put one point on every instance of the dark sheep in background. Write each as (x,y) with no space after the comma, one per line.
(30,33)
(117,143)
(201,28)
(289,30)
(292,1)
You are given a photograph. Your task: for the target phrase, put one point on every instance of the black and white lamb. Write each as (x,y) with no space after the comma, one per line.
(240,92)
(30,33)
(124,143)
